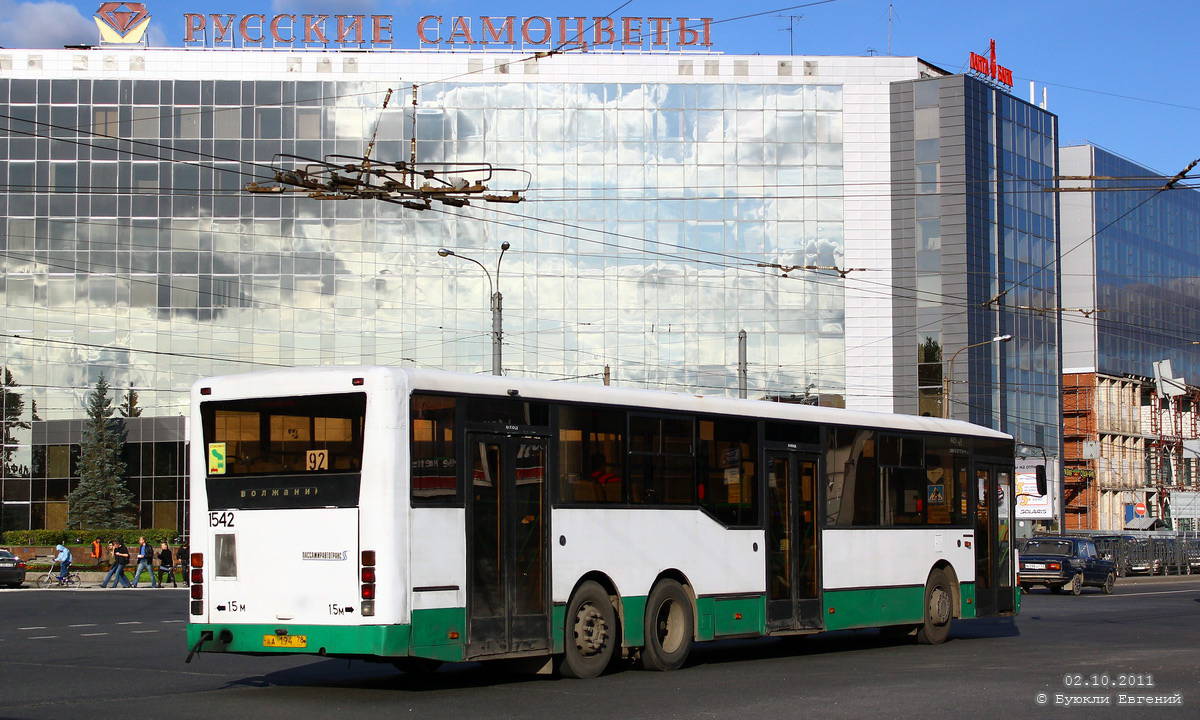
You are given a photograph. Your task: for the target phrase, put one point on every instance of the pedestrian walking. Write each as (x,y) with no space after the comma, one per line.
(185,563)
(145,558)
(116,573)
(166,565)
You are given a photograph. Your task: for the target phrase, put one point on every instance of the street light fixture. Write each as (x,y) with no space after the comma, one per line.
(946,379)
(497,300)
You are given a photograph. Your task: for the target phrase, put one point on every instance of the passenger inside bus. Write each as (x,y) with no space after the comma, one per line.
(608,484)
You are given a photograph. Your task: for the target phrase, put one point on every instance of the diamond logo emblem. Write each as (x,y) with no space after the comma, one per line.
(122,22)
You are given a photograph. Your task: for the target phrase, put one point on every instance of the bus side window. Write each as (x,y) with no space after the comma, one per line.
(662,463)
(591,455)
(434,474)
(726,473)
(853,477)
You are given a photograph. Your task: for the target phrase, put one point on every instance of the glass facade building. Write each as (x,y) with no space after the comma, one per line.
(670,201)
(978,235)
(1131,251)
(1134,252)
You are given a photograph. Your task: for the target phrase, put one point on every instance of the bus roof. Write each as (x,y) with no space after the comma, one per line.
(310,380)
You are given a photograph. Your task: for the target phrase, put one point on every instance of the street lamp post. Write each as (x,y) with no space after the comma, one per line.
(497,301)
(948,377)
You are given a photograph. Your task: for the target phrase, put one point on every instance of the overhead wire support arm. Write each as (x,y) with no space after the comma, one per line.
(1086,312)
(413,185)
(785,269)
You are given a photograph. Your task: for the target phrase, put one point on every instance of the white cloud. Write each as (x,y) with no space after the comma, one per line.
(44,25)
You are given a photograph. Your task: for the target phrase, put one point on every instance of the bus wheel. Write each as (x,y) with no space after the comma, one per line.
(416,665)
(670,625)
(591,632)
(936,627)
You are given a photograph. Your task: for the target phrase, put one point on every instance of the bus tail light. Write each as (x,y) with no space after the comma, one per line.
(367,576)
(196,561)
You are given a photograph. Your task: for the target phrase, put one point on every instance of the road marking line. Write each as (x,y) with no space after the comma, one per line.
(34,627)
(174,621)
(135,632)
(1158,592)
(41,637)
(91,634)
(83,625)
(134,622)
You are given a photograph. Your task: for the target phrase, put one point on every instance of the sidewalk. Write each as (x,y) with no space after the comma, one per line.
(90,581)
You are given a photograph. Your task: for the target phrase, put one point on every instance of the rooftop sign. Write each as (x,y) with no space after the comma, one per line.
(258,30)
(121,22)
(988,67)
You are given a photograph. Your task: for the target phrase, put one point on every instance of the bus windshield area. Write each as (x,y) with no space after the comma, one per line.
(292,435)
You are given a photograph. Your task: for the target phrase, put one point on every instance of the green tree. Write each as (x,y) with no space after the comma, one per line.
(101,499)
(130,407)
(12,409)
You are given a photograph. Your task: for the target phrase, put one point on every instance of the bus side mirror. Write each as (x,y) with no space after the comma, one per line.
(1039,472)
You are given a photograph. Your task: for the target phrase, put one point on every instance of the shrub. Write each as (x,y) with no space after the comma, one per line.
(50,538)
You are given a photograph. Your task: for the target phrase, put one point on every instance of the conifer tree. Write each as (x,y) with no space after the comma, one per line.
(130,408)
(12,408)
(101,499)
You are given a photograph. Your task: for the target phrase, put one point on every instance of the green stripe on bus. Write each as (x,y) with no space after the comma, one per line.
(737,615)
(382,640)
(877,607)
(558,619)
(967,590)
(633,615)
(873,607)
(439,633)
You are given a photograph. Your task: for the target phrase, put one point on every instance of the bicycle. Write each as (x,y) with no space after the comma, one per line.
(51,579)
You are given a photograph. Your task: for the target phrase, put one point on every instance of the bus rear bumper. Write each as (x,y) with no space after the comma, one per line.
(438,634)
(283,639)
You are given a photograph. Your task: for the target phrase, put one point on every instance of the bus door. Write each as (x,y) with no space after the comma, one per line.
(993,539)
(508,601)
(793,539)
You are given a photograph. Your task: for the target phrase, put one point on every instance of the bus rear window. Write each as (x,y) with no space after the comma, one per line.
(294,435)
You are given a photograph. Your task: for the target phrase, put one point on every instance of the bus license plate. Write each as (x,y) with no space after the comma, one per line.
(285,641)
(1035,566)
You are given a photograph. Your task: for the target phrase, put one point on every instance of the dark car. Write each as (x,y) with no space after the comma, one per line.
(1065,563)
(12,569)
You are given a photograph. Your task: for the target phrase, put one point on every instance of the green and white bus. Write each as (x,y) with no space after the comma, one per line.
(417,517)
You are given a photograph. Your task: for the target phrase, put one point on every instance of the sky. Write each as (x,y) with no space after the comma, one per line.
(1118,74)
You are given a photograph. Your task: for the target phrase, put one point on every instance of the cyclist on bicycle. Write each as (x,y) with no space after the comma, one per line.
(64,558)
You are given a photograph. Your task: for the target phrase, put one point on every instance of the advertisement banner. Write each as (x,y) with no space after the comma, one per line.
(1030,505)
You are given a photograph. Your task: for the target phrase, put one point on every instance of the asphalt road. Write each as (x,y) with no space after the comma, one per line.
(94,653)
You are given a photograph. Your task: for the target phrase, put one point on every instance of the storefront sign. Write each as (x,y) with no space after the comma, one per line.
(988,67)
(574,33)
(121,22)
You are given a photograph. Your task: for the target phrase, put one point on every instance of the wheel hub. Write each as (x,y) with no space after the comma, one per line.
(591,632)
(939,606)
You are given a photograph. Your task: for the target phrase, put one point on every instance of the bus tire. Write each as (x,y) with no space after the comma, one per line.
(935,627)
(670,627)
(590,637)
